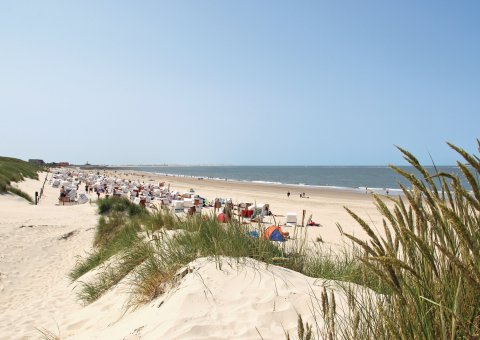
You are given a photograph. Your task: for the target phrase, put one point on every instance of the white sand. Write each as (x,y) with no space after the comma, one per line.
(34,263)
(232,303)
(238,301)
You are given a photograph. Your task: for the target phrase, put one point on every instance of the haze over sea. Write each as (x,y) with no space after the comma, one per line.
(351,177)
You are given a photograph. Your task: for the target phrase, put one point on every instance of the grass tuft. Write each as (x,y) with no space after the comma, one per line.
(428,258)
(16,170)
(20,193)
(119,204)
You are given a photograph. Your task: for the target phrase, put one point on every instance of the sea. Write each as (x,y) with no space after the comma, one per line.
(355,178)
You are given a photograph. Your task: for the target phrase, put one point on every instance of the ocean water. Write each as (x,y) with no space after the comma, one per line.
(341,177)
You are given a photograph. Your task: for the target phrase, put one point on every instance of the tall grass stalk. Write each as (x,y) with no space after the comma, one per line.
(428,255)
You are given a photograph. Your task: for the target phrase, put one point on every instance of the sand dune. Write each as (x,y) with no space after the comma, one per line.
(40,245)
(215,300)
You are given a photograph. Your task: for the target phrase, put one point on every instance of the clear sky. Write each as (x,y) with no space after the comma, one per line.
(239,82)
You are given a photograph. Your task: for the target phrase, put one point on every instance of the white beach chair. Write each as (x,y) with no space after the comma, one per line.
(177,206)
(291,219)
(187,203)
(82,198)
(72,194)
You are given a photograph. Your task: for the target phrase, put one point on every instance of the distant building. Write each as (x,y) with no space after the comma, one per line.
(36,161)
(63,164)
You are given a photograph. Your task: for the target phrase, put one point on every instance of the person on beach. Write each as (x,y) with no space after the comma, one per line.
(62,192)
(288,194)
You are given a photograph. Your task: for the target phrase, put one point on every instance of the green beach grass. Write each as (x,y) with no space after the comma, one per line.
(16,170)
(140,242)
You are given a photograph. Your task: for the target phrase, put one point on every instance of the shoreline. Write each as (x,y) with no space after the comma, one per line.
(355,190)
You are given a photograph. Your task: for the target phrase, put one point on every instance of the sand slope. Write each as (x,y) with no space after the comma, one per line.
(213,301)
(35,259)
(223,299)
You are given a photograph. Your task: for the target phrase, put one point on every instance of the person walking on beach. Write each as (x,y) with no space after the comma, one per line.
(288,194)
(62,192)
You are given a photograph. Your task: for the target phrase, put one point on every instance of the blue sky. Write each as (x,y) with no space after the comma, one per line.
(239,82)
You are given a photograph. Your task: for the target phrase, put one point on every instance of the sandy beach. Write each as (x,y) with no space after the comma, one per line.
(225,170)
(40,245)
(36,256)
(326,205)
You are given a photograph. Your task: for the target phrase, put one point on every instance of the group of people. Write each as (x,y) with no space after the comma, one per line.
(302,195)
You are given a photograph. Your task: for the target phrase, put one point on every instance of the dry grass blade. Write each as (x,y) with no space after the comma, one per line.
(409,157)
(471,179)
(434,272)
(467,272)
(393,262)
(461,229)
(362,244)
(376,242)
(469,158)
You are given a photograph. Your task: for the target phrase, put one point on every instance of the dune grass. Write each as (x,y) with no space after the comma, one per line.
(118,204)
(123,239)
(428,257)
(16,170)
(118,229)
(157,258)
(20,193)
(173,242)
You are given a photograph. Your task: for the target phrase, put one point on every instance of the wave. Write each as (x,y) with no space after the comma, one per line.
(392,191)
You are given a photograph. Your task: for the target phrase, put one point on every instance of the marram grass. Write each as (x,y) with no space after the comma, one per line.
(428,256)
(169,243)
(16,170)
